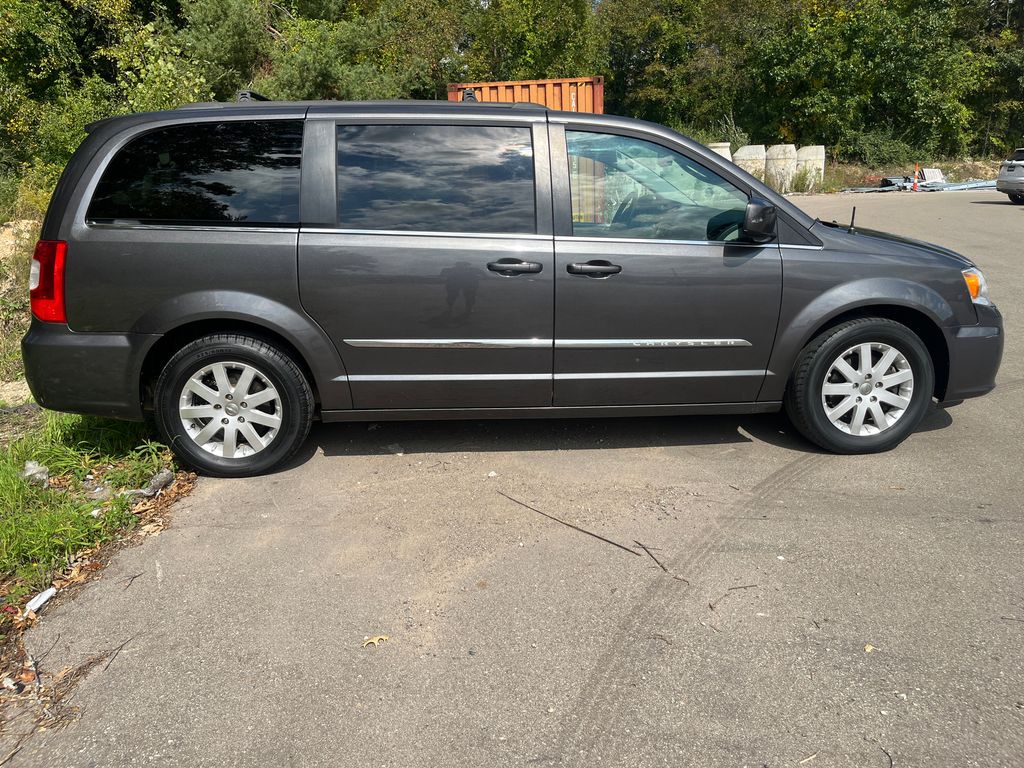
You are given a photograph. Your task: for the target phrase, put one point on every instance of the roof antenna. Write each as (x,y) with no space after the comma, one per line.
(853,217)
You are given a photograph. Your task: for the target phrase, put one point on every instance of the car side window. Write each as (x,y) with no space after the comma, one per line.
(630,188)
(436,178)
(238,173)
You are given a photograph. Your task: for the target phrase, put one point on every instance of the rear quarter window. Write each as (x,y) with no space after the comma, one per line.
(227,173)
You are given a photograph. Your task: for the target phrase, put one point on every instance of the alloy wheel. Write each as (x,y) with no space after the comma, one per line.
(230,409)
(867,389)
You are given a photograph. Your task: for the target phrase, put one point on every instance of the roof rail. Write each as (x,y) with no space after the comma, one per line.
(250,96)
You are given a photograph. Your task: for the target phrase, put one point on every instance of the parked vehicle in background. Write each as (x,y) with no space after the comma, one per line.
(238,270)
(1011,177)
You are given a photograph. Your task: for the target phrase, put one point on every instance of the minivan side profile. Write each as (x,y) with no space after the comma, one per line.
(236,271)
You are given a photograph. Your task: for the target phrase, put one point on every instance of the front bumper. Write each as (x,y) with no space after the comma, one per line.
(975,352)
(91,373)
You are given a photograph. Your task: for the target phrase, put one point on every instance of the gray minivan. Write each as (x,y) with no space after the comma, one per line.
(238,270)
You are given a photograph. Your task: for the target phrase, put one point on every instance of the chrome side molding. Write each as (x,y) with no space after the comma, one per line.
(647,343)
(539,343)
(449,343)
(410,377)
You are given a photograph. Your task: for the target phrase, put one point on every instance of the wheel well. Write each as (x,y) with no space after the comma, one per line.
(916,321)
(168,344)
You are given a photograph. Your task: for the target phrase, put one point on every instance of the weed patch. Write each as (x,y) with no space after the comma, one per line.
(91,462)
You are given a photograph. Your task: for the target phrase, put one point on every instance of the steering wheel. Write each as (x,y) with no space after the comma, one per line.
(626,210)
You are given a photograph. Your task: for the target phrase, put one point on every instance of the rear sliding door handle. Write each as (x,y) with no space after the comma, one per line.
(509,267)
(594,269)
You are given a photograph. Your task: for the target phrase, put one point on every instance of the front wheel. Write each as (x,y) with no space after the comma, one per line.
(233,406)
(861,387)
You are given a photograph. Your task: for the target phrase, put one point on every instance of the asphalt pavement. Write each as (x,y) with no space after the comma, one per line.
(795,608)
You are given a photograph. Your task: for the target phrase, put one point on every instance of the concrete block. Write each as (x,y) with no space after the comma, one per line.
(810,162)
(723,148)
(751,159)
(780,166)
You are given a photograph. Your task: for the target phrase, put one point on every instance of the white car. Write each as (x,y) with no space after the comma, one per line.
(1011,177)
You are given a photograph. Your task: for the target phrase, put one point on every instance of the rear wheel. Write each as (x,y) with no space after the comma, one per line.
(1016,197)
(233,406)
(861,387)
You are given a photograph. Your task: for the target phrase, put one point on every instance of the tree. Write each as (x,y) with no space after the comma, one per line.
(229,39)
(529,39)
(316,59)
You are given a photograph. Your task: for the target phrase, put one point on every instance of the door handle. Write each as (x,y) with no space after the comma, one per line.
(509,267)
(594,269)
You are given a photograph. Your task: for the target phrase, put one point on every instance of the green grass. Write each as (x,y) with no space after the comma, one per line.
(40,528)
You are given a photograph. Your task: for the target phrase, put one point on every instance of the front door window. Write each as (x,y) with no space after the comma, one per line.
(624,187)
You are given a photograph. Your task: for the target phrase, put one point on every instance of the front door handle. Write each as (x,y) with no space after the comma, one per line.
(594,269)
(509,267)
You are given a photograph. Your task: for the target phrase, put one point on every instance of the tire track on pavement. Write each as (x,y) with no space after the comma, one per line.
(600,708)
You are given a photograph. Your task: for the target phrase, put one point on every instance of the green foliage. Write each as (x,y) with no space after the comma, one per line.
(152,71)
(878,81)
(38,45)
(8,194)
(314,59)
(869,66)
(420,44)
(878,148)
(62,120)
(528,39)
(229,40)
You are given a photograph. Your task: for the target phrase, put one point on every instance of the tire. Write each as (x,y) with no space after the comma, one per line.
(198,391)
(1016,197)
(853,426)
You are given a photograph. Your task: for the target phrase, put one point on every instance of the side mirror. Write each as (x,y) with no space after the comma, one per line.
(759,221)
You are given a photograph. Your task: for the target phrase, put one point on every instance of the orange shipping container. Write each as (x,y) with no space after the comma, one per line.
(571,94)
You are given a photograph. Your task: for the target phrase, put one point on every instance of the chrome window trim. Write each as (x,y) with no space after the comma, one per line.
(292,229)
(724,243)
(424,233)
(425,118)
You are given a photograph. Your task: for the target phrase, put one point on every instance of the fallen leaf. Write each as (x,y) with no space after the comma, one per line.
(376,640)
(869,648)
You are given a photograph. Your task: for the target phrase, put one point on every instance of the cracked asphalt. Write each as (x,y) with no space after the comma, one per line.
(516,640)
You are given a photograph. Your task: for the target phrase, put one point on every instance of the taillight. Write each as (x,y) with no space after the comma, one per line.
(46,282)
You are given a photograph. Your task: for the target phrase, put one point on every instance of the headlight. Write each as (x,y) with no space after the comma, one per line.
(976,286)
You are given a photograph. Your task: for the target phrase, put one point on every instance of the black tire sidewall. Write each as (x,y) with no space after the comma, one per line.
(916,353)
(295,419)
